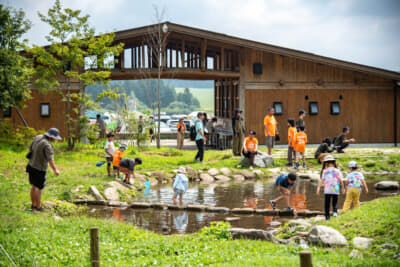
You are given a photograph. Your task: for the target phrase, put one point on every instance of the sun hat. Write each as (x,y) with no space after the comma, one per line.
(352,164)
(329,158)
(182,170)
(53,133)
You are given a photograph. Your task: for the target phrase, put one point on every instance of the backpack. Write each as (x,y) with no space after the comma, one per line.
(193,133)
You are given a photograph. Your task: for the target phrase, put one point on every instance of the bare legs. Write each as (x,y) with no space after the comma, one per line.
(36,196)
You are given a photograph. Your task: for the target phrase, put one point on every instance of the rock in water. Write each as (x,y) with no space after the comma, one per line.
(213,171)
(93,190)
(159,176)
(247,174)
(387,185)
(111,193)
(206,177)
(326,236)
(222,178)
(226,171)
(362,242)
(238,177)
(191,173)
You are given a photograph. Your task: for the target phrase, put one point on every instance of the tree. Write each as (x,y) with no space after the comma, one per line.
(74,54)
(15,69)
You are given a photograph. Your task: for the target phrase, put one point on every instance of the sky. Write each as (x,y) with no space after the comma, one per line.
(361,31)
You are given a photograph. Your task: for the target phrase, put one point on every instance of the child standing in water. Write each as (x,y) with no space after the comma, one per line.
(331,179)
(354,181)
(180,185)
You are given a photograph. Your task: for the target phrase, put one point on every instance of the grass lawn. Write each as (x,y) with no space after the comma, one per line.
(204,95)
(41,239)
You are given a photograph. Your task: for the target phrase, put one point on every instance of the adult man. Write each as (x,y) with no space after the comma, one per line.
(300,121)
(341,142)
(180,136)
(238,132)
(41,153)
(270,129)
(323,150)
(200,137)
(102,126)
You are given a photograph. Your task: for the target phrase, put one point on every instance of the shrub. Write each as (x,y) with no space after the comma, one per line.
(216,230)
(19,136)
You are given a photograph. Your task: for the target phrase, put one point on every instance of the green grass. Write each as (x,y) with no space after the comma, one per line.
(204,95)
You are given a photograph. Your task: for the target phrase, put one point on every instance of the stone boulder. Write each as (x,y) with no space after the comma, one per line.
(153,181)
(326,236)
(254,234)
(160,176)
(226,171)
(213,171)
(111,193)
(261,160)
(387,185)
(140,177)
(117,185)
(302,222)
(247,174)
(206,177)
(258,173)
(362,242)
(93,190)
(243,210)
(238,177)
(191,173)
(222,178)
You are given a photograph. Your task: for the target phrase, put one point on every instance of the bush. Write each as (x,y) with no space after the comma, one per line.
(216,230)
(20,136)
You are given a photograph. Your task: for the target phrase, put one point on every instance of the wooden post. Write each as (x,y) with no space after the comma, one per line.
(94,247)
(183,54)
(305,259)
(203,55)
(222,59)
(176,56)
(143,57)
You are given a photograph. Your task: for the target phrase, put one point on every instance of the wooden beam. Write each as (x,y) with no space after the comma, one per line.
(222,59)
(176,56)
(143,56)
(123,61)
(183,53)
(203,54)
(139,57)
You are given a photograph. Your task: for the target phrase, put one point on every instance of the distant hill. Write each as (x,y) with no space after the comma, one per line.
(189,84)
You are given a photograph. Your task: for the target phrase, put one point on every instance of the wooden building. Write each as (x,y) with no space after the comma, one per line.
(253,76)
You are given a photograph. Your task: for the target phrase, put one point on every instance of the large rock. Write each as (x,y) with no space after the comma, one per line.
(111,193)
(243,210)
(259,173)
(160,176)
(254,234)
(387,185)
(247,174)
(213,171)
(261,160)
(117,185)
(362,242)
(206,177)
(222,178)
(93,190)
(297,222)
(326,236)
(238,177)
(191,173)
(153,181)
(226,171)
(140,177)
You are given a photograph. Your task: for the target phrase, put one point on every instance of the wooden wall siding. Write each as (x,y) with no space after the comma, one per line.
(369,113)
(226,93)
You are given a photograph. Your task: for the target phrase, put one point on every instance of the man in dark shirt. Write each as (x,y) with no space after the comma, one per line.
(323,149)
(341,142)
(300,121)
(127,166)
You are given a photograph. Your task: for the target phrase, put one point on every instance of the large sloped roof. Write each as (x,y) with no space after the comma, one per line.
(241,42)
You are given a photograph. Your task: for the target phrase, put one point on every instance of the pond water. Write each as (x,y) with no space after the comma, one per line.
(254,194)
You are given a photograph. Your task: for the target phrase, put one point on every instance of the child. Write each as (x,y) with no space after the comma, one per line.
(118,154)
(109,149)
(127,167)
(283,182)
(291,138)
(250,147)
(180,185)
(300,121)
(353,182)
(300,146)
(331,178)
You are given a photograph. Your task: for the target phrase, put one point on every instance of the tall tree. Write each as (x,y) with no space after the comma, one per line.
(14,68)
(74,54)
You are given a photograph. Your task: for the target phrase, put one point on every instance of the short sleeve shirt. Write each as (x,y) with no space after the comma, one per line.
(339,139)
(300,142)
(282,180)
(270,123)
(250,143)
(127,163)
(42,153)
(332,178)
(110,148)
(199,126)
(354,180)
(181,126)
(118,154)
(323,148)
(291,133)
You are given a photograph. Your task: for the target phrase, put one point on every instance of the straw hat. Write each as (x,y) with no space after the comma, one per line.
(182,170)
(329,158)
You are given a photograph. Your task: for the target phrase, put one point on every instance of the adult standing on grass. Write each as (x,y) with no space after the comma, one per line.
(180,135)
(270,129)
(300,121)
(238,132)
(41,154)
(200,137)
(102,126)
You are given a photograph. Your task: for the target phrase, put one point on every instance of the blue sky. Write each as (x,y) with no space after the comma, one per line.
(361,31)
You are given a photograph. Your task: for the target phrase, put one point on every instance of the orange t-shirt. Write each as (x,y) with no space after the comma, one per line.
(250,144)
(291,133)
(300,142)
(270,122)
(181,125)
(117,157)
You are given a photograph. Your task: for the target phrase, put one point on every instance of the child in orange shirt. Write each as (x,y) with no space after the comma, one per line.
(300,146)
(118,154)
(291,135)
(250,147)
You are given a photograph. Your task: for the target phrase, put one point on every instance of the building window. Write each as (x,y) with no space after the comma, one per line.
(335,108)
(45,109)
(278,108)
(313,108)
(6,113)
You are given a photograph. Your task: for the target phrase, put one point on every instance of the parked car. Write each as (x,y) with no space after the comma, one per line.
(163,127)
(172,124)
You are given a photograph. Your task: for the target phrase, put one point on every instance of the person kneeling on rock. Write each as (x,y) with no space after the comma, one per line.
(127,167)
(283,182)
(180,185)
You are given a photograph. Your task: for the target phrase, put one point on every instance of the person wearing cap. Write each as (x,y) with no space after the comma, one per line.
(41,154)
(291,142)
(340,142)
(200,137)
(238,132)
(117,157)
(323,149)
(109,148)
(102,126)
(180,185)
(250,147)
(354,182)
(270,129)
(127,167)
(331,179)
(300,121)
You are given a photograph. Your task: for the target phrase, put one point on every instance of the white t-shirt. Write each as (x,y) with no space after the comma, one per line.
(110,148)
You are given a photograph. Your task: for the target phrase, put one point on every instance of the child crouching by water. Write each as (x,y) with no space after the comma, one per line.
(331,179)
(180,185)
(283,182)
